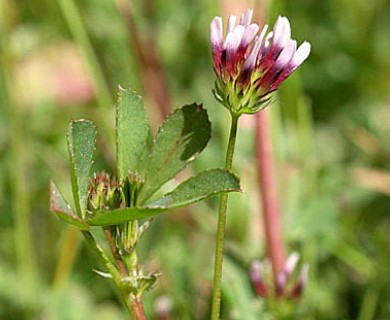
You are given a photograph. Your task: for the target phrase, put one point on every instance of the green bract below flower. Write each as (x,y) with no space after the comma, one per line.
(250,66)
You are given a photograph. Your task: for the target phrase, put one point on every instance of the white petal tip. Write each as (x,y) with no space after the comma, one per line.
(302,53)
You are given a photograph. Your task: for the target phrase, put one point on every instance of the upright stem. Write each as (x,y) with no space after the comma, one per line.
(121,266)
(137,308)
(216,303)
(271,212)
(134,304)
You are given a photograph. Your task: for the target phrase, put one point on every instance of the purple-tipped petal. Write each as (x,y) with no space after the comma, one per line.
(249,34)
(264,42)
(263,32)
(281,35)
(250,61)
(246,17)
(286,55)
(216,39)
(216,36)
(232,42)
(231,23)
(282,32)
(266,57)
(301,54)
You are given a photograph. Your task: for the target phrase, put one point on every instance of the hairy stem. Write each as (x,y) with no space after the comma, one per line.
(137,308)
(115,253)
(102,256)
(216,303)
(133,304)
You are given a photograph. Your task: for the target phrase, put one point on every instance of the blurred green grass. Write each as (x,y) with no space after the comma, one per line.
(330,128)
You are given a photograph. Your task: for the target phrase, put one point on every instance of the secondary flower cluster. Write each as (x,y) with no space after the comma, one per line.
(250,66)
(286,285)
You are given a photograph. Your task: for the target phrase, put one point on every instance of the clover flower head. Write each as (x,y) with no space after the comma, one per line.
(249,66)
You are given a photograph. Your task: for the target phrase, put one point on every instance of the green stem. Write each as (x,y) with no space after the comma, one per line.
(136,308)
(104,259)
(115,252)
(216,303)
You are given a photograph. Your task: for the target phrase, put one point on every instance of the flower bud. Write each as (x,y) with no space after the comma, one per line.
(103,194)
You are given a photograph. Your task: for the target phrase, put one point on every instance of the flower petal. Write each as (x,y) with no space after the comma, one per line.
(246,17)
(301,54)
(250,62)
(231,23)
(282,32)
(216,37)
(286,55)
(249,34)
(232,43)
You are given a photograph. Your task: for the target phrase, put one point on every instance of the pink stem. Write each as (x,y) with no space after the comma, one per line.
(271,212)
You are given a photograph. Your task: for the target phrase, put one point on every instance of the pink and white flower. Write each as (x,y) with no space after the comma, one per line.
(249,66)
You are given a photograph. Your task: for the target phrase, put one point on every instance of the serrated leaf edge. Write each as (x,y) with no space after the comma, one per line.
(150,205)
(189,160)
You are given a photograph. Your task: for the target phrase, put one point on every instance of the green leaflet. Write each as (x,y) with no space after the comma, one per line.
(81,145)
(203,185)
(183,135)
(62,209)
(132,133)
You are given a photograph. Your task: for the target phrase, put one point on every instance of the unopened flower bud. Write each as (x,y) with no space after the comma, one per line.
(103,193)
(131,188)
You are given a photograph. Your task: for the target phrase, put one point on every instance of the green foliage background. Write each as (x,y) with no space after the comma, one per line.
(330,128)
